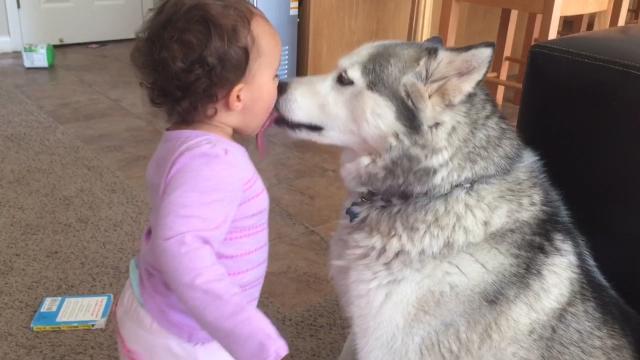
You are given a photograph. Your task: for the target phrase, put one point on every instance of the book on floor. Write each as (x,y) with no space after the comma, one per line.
(72,312)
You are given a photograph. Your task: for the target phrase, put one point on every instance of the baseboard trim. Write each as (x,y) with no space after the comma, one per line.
(7,45)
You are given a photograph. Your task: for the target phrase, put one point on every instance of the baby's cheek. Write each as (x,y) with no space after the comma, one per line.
(271,100)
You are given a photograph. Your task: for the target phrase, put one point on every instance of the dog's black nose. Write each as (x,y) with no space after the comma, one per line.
(282,87)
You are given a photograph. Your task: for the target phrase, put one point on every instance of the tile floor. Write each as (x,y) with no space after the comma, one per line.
(93,93)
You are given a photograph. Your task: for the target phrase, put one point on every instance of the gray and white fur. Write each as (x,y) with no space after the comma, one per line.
(460,247)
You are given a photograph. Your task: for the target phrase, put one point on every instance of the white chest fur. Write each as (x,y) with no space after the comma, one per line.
(405,311)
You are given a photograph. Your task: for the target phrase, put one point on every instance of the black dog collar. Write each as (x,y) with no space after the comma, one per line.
(370,196)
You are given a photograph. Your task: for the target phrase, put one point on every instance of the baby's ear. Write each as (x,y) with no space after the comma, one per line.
(447,76)
(236,98)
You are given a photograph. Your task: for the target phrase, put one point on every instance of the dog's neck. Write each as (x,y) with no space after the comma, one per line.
(413,165)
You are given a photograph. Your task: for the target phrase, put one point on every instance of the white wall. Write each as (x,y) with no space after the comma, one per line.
(4,22)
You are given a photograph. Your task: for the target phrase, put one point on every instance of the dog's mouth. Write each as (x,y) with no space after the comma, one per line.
(283,122)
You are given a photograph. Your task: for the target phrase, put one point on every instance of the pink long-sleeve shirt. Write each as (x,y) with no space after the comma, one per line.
(203,258)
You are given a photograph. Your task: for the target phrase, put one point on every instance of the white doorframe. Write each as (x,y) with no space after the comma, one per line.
(13,42)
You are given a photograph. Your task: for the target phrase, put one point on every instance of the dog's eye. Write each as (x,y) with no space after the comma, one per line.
(343,79)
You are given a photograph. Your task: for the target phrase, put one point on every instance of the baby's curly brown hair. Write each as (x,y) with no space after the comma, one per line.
(192,52)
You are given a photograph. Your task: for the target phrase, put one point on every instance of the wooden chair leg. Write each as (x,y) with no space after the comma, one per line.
(504,46)
(449,21)
(584,22)
(635,13)
(579,23)
(619,13)
(498,55)
(575,23)
(604,18)
(532,31)
(550,19)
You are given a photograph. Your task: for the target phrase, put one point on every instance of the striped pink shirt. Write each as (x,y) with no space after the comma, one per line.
(203,259)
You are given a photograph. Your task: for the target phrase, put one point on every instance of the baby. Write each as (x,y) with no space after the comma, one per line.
(194,286)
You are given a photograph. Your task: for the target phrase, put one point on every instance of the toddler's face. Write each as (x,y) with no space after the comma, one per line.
(261,79)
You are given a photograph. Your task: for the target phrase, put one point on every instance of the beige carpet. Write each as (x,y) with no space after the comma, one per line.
(68,225)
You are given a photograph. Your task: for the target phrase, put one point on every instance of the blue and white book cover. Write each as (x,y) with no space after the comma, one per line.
(73,312)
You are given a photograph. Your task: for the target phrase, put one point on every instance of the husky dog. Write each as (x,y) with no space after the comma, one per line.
(455,245)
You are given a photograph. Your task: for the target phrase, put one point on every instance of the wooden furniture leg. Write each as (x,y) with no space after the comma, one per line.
(504,46)
(584,22)
(619,13)
(498,55)
(633,12)
(550,19)
(449,21)
(603,18)
(579,23)
(532,31)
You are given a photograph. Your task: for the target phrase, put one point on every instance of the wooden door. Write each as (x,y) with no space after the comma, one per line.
(77,21)
(330,29)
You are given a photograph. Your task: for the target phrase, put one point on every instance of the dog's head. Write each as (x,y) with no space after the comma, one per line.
(383,91)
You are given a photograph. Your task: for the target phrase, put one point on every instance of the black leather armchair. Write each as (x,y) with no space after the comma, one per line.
(581,111)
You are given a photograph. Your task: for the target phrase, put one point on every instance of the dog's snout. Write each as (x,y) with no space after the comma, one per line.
(282,87)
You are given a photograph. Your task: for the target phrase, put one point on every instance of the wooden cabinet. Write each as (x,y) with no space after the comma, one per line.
(331,28)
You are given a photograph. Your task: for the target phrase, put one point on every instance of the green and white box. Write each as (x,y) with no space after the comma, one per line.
(38,55)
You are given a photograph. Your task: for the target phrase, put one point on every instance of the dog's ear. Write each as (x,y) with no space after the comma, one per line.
(446,76)
(434,41)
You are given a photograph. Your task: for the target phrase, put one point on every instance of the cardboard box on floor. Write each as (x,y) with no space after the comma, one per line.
(38,55)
